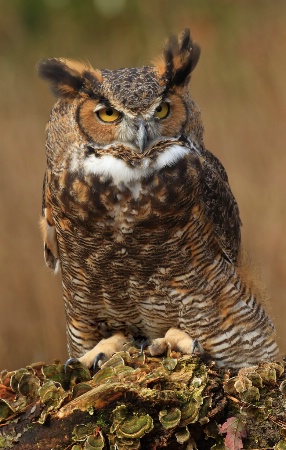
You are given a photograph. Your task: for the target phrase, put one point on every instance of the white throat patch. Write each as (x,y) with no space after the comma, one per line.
(110,166)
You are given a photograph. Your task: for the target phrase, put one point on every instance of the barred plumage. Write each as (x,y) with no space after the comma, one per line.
(140,216)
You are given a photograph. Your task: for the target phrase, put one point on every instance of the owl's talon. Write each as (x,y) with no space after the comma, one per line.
(197,348)
(101,356)
(140,342)
(195,345)
(70,361)
(143,345)
(169,349)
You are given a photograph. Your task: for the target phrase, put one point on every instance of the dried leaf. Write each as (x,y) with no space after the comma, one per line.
(235,430)
(6,393)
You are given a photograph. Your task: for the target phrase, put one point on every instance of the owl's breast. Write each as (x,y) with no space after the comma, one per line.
(135,199)
(128,226)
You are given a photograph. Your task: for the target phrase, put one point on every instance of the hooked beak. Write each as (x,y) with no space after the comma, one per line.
(142,135)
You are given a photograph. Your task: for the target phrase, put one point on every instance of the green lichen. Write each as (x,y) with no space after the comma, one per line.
(134,399)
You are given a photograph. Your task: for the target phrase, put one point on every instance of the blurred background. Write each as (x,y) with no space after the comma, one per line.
(240,85)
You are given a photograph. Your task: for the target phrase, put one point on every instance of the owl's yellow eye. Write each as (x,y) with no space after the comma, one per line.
(162,110)
(108,114)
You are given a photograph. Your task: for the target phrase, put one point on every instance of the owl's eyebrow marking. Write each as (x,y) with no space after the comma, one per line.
(103,103)
(85,89)
(91,85)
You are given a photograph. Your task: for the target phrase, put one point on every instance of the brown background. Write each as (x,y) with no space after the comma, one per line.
(240,85)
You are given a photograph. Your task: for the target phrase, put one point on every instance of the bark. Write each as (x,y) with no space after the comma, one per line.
(140,402)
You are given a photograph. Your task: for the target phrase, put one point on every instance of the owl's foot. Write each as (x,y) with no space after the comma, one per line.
(177,340)
(104,350)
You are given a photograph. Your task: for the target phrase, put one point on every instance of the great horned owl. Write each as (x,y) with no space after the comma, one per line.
(140,218)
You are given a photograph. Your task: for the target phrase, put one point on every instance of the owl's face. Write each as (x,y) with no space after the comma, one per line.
(129,113)
(132,108)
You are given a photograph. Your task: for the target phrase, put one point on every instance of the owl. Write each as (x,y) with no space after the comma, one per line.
(139,217)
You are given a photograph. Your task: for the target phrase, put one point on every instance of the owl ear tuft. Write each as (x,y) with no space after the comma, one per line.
(68,78)
(180,57)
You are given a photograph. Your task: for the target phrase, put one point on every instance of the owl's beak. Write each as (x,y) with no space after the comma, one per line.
(142,135)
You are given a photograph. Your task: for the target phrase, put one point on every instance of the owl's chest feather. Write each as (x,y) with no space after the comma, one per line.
(125,200)
(137,225)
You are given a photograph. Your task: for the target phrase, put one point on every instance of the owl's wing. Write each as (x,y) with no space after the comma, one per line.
(220,206)
(48,228)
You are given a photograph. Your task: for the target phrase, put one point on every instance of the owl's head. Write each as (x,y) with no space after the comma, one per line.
(134,107)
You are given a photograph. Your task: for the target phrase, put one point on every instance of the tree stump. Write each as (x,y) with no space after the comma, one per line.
(140,402)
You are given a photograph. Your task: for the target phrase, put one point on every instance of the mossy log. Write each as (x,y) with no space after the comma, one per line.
(140,402)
